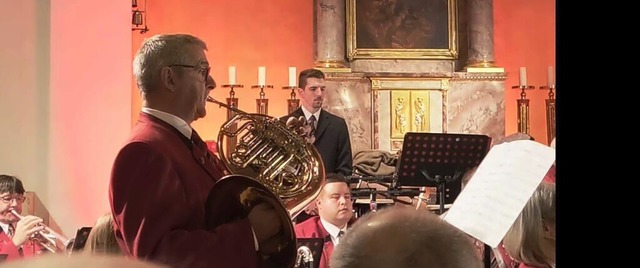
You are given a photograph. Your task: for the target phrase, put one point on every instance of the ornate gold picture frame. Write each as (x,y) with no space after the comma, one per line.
(402,29)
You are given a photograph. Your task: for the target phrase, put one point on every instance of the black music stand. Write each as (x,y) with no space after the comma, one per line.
(315,245)
(81,239)
(438,159)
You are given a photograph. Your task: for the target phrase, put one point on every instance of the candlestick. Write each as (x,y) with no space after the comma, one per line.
(232,75)
(292,76)
(523,107)
(550,111)
(293,103)
(232,101)
(551,78)
(262,75)
(523,76)
(262,103)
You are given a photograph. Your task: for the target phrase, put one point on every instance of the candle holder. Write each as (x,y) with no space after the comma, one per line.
(551,112)
(262,103)
(523,109)
(232,101)
(293,103)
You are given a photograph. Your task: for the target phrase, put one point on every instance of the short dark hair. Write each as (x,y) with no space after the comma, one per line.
(10,184)
(335,177)
(309,73)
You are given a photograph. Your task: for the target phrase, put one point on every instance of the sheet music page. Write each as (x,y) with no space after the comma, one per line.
(498,191)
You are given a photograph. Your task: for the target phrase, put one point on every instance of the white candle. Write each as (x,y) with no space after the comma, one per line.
(232,75)
(523,76)
(262,75)
(551,78)
(292,76)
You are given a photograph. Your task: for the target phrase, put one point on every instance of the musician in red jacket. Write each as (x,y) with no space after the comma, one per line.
(335,211)
(531,240)
(15,233)
(161,178)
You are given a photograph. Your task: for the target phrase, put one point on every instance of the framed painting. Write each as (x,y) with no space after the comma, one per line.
(402,29)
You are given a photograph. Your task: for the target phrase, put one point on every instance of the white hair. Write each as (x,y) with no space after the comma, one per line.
(160,51)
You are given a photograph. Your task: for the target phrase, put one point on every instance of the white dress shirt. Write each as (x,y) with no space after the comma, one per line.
(5,227)
(333,231)
(308,114)
(172,120)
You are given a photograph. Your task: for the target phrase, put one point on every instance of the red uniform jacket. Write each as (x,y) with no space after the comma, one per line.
(551,175)
(522,265)
(312,228)
(9,251)
(159,185)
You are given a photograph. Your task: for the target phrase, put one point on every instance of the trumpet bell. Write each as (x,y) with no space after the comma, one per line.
(233,196)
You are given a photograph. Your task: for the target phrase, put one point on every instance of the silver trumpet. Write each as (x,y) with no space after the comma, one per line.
(48,238)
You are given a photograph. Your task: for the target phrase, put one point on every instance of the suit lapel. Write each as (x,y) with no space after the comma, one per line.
(323,124)
(298,113)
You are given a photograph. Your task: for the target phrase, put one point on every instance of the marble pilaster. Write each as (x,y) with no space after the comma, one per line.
(329,33)
(475,104)
(350,97)
(480,23)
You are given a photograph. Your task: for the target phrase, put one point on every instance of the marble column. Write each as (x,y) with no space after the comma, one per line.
(480,15)
(329,31)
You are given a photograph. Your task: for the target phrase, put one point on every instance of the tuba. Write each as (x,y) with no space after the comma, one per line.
(270,162)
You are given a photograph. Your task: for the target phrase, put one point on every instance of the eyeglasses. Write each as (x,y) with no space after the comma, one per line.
(8,199)
(200,69)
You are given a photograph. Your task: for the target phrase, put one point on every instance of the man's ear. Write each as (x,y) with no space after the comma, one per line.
(300,91)
(167,78)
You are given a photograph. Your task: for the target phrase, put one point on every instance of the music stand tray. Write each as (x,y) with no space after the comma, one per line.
(439,160)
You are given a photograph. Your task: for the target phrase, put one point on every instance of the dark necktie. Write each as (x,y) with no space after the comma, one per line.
(340,234)
(11,231)
(200,147)
(312,123)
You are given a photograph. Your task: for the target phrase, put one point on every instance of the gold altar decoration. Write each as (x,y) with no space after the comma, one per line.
(409,104)
(410,112)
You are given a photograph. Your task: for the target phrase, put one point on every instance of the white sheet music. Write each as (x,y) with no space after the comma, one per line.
(498,191)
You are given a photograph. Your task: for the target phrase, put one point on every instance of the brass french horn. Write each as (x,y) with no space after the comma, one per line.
(270,162)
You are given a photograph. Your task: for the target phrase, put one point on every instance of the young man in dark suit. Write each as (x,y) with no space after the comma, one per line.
(331,134)
(162,177)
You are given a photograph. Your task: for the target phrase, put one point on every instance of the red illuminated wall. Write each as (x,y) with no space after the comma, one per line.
(278,34)
(64,101)
(525,37)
